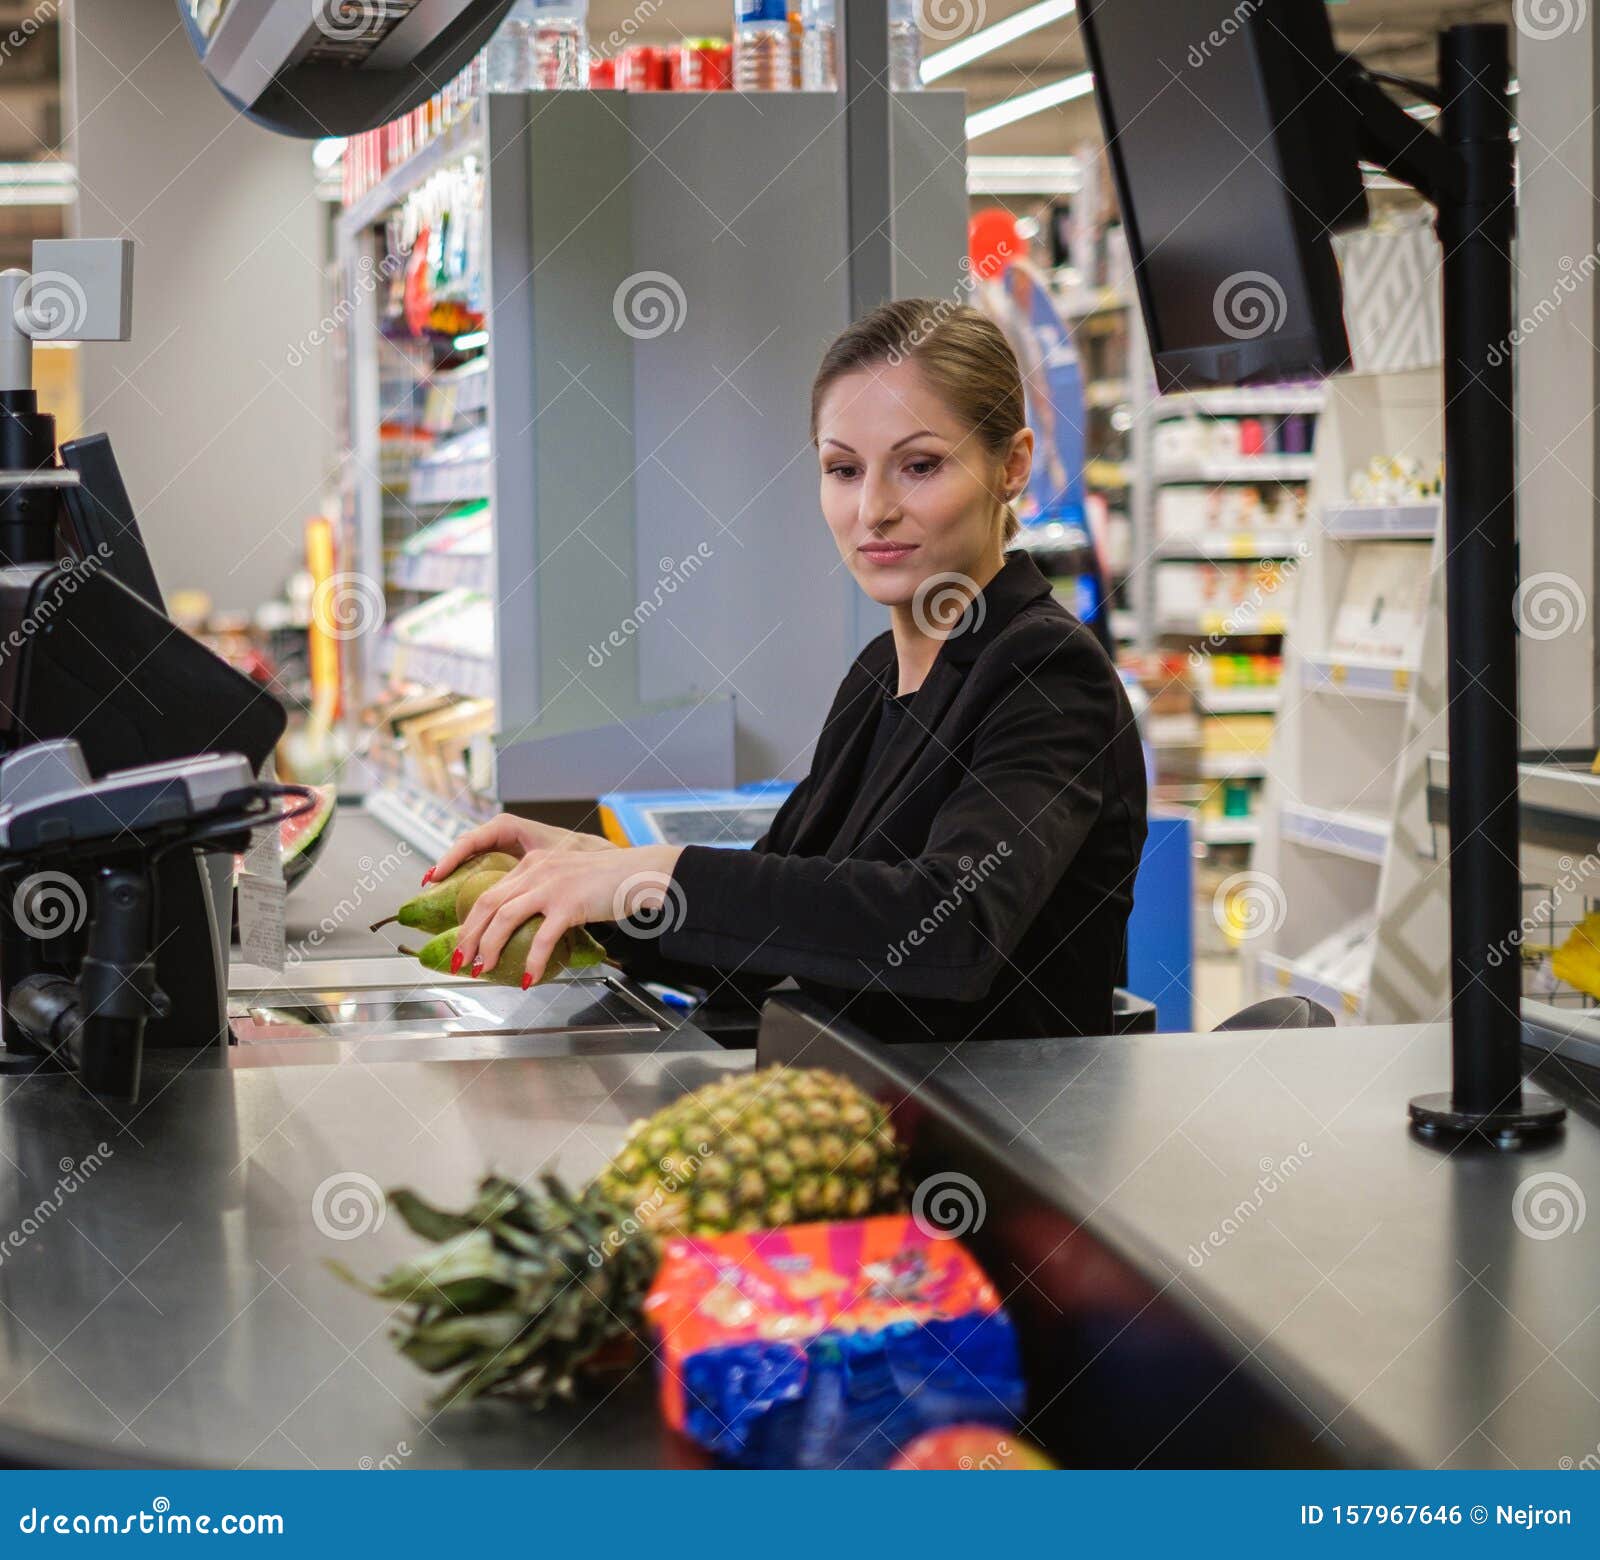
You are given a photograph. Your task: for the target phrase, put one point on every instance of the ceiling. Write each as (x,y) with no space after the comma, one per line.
(1393,35)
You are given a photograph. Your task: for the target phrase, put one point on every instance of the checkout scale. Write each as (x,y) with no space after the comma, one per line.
(135,765)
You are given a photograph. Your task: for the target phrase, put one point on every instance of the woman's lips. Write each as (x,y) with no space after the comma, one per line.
(887,552)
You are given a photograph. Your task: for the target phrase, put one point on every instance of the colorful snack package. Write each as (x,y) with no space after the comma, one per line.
(828,1345)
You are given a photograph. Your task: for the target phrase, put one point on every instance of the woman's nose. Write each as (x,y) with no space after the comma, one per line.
(880,499)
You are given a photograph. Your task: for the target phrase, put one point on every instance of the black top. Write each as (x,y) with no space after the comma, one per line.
(975,881)
(890,714)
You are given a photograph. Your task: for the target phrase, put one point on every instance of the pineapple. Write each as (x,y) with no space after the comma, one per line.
(525,1287)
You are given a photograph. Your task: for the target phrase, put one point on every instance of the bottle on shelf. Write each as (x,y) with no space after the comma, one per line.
(510,51)
(819,46)
(761,53)
(905,47)
(560,45)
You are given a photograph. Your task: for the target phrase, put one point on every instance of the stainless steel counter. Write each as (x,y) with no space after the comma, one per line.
(174,1304)
(1230,1249)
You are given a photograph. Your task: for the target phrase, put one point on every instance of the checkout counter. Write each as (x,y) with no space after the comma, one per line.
(1220,1249)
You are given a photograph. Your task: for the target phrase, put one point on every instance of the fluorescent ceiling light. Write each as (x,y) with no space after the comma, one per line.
(942,61)
(1051,95)
(1024,176)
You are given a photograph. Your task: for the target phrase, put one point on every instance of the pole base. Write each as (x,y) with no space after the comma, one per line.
(1435,1116)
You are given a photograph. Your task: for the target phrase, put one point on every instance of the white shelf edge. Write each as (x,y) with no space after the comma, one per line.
(1276,973)
(1257,468)
(1236,701)
(1240,403)
(1387,682)
(1232,545)
(1383,522)
(1357,836)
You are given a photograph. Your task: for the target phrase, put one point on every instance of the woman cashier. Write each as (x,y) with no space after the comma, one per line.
(959,862)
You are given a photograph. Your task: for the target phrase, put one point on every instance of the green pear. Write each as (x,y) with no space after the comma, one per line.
(435,908)
(575,950)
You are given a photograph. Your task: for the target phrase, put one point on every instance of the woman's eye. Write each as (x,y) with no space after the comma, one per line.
(923,466)
(844,472)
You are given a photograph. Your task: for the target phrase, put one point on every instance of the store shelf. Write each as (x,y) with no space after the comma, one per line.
(1233,544)
(1222,625)
(1124,624)
(1359,836)
(443,571)
(419,817)
(1276,974)
(452,146)
(438,666)
(1102,394)
(1251,468)
(462,392)
(1356,679)
(450,483)
(1394,522)
(1242,403)
(1227,831)
(1236,701)
(1106,474)
(1232,766)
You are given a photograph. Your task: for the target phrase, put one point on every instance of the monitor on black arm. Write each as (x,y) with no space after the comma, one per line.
(1235,158)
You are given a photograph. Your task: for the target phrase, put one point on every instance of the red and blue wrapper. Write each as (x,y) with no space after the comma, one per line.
(828,1345)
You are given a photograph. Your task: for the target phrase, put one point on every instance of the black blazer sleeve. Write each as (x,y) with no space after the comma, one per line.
(942,924)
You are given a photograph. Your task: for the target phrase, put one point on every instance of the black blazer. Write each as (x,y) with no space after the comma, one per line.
(978,884)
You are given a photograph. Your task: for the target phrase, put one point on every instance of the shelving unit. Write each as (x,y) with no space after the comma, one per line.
(1345,753)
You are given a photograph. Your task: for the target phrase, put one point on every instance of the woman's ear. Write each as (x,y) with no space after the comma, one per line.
(1019,461)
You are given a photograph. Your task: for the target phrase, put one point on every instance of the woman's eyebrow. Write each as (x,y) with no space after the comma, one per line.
(840,442)
(921,433)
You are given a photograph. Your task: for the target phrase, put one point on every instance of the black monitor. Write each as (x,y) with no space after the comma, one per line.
(1235,157)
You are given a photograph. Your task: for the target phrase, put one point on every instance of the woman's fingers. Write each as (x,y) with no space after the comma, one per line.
(556,923)
(500,833)
(516,884)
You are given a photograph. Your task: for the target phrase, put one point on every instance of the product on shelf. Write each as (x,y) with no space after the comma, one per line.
(1383,608)
(762,55)
(1396,479)
(819,46)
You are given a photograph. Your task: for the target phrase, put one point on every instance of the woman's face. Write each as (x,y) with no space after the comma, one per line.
(907,489)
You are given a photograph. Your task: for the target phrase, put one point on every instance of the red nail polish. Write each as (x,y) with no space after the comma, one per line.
(527,980)
(455,961)
(427,875)
(477,968)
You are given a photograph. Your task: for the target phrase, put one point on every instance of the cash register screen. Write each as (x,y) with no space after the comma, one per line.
(711,825)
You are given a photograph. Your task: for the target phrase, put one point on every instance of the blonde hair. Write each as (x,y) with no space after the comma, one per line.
(963,355)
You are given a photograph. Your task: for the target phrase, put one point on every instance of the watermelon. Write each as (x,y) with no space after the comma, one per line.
(300,840)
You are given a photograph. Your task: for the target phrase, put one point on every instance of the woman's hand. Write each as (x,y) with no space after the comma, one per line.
(515,836)
(568,888)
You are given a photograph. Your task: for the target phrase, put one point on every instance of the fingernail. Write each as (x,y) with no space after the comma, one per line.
(455,961)
(427,875)
(477,968)
(527,980)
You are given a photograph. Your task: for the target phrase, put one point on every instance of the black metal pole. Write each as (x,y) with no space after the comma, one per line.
(1476,226)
